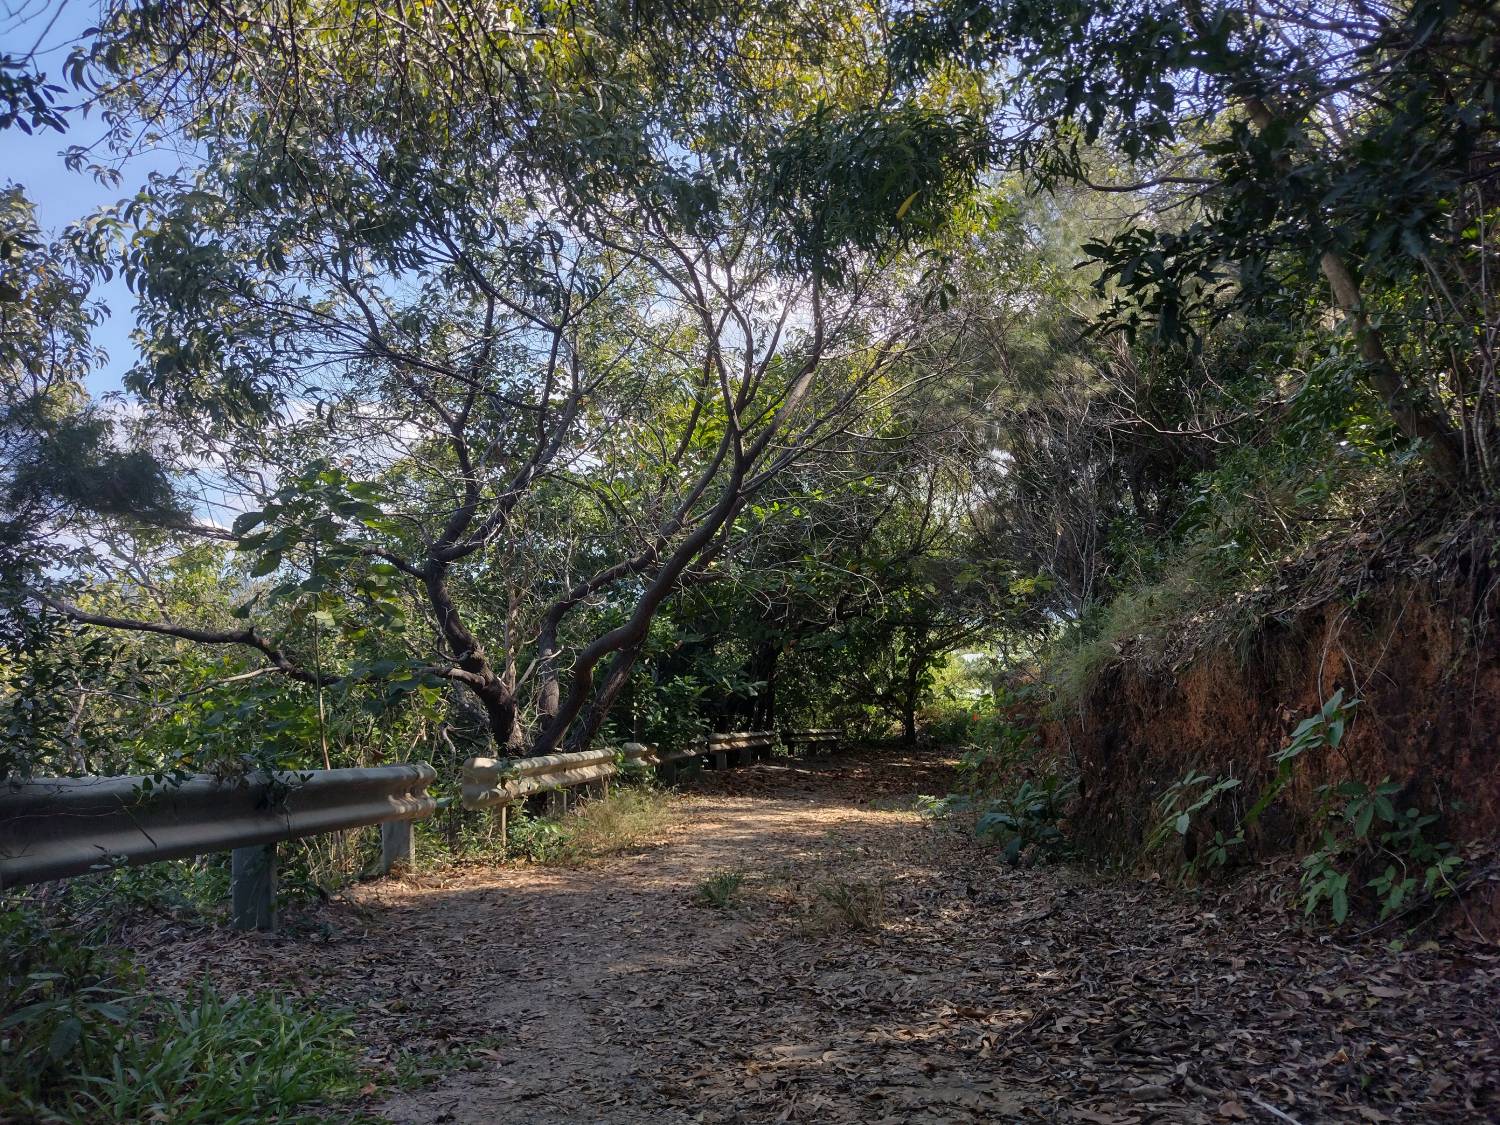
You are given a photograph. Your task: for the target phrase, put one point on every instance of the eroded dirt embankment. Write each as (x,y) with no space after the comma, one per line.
(963,991)
(1413,636)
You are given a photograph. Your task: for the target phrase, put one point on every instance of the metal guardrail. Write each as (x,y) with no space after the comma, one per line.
(745,745)
(493,783)
(822,736)
(498,783)
(60,827)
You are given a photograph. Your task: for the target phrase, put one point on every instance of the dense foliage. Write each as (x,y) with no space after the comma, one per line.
(523,375)
(85,1041)
(511,377)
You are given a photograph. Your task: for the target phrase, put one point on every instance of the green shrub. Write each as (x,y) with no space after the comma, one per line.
(222,1060)
(950,725)
(1181,804)
(1002,750)
(1368,831)
(81,1040)
(538,839)
(997,721)
(63,1007)
(1029,815)
(193,889)
(1016,797)
(197,889)
(594,827)
(1364,832)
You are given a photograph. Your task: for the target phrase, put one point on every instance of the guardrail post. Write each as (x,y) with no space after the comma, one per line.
(398,846)
(252,887)
(721,760)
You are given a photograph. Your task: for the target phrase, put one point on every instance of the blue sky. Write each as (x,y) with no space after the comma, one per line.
(36,163)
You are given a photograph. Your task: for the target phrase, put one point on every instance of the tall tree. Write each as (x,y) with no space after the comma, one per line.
(1353,141)
(388,323)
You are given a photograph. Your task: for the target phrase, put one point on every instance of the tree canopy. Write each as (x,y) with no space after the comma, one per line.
(525,374)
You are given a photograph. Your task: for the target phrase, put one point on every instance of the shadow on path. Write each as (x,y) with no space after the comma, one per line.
(873,967)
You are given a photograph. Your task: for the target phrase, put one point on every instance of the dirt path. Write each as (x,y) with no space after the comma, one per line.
(977,992)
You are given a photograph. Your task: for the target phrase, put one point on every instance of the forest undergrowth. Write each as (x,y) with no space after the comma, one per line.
(801,941)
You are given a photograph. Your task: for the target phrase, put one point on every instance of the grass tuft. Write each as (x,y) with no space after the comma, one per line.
(612,824)
(413,1071)
(846,905)
(720,890)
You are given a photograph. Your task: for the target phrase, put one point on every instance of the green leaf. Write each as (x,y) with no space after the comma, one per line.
(245,521)
(65,1037)
(1339,904)
(265,564)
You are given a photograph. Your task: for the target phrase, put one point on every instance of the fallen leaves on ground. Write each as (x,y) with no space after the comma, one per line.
(977,992)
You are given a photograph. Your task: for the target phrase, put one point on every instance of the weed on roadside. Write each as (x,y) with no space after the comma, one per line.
(83,1040)
(845,904)
(720,891)
(612,824)
(413,1071)
(537,839)
(593,828)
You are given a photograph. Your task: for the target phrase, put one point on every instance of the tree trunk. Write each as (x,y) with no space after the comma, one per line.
(912,695)
(625,640)
(1414,419)
(548,692)
(500,711)
(759,709)
(615,679)
(498,700)
(768,697)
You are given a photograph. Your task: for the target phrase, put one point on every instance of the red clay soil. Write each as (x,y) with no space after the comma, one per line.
(1428,681)
(872,967)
